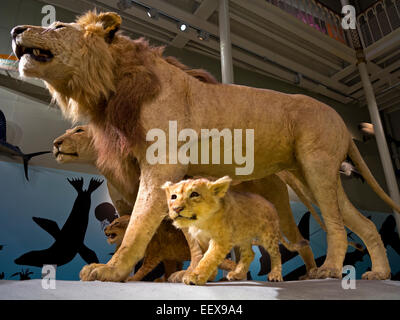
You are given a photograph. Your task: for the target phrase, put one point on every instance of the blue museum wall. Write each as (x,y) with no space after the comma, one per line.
(49,195)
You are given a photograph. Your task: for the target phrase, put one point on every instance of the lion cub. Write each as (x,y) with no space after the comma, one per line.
(223,219)
(168,246)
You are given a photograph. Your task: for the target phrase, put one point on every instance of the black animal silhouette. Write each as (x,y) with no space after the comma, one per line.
(23,274)
(389,234)
(105,212)
(13,151)
(69,241)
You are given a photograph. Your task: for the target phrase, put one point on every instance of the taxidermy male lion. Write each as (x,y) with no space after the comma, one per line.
(125,88)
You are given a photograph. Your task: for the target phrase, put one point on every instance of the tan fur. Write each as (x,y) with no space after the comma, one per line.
(78,142)
(220,220)
(168,246)
(125,88)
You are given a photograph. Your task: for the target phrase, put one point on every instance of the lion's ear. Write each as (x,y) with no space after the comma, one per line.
(111,23)
(220,187)
(166,185)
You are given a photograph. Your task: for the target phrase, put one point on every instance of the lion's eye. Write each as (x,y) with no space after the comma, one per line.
(59,26)
(173,197)
(79,130)
(194,194)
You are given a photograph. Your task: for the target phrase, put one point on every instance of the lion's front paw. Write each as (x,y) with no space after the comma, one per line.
(275,276)
(101,272)
(373,275)
(177,277)
(235,276)
(192,278)
(324,273)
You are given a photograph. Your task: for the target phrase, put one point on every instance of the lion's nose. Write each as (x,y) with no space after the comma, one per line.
(178,209)
(57,143)
(17,30)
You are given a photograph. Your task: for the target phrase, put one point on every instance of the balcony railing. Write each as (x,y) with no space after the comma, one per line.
(379,21)
(375,23)
(315,15)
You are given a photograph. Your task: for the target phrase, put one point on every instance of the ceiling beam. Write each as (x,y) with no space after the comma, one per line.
(172,11)
(204,11)
(293,25)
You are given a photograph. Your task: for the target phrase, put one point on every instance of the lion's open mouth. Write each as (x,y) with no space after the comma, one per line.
(58,153)
(193,217)
(37,54)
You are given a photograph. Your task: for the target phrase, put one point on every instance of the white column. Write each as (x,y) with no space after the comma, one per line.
(391,180)
(225,42)
(226,56)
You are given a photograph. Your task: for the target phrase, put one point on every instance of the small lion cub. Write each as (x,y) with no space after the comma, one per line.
(225,219)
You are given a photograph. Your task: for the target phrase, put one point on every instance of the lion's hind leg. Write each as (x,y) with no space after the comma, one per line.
(242,267)
(270,242)
(368,233)
(320,170)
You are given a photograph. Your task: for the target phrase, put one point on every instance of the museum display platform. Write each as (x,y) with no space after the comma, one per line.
(329,289)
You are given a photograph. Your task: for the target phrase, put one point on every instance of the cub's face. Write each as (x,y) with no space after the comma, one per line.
(116,230)
(192,202)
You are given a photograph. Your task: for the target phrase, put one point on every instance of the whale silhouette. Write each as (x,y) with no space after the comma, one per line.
(69,241)
(13,151)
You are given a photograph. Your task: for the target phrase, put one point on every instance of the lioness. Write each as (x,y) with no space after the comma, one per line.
(126,88)
(220,220)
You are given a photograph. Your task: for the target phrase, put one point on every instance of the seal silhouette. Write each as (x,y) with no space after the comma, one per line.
(69,241)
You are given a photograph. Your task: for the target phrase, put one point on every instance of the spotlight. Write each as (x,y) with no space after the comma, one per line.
(124,4)
(182,26)
(152,13)
(203,35)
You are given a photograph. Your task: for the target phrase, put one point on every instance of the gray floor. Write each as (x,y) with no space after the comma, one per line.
(252,290)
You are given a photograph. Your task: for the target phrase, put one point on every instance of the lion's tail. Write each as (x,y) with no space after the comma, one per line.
(356,157)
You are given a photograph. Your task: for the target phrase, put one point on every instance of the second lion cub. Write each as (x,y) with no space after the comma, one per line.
(221,220)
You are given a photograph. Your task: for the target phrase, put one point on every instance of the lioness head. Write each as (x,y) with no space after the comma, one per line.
(74,59)
(192,202)
(116,230)
(75,146)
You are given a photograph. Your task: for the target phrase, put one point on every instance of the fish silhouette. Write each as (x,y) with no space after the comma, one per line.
(69,241)
(13,151)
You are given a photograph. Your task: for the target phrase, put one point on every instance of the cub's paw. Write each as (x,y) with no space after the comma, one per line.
(192,278)
(101,272)
(373,275)
(177,277)
(275,276)
(324,273)
(235,276)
